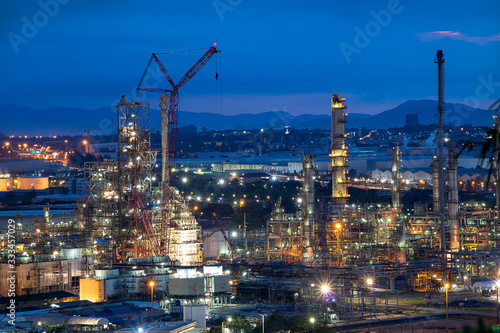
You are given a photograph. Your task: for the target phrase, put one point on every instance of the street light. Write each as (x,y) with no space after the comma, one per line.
(312,320)
(152,285)
(446,286)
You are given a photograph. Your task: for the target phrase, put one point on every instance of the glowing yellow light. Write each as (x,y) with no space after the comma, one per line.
(325,288)
(152,284)
(84,142)
(369,281)
(338,226)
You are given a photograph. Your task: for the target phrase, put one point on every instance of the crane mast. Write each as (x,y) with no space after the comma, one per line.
(169,108)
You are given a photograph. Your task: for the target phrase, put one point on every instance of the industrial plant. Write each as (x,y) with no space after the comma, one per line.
(141,241)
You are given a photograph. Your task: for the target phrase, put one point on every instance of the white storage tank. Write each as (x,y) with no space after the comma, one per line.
(102,274)
(195,313)
(75,253)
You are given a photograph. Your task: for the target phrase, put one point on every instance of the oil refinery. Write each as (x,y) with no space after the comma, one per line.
(141,233)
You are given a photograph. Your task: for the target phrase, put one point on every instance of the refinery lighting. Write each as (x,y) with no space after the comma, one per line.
(325,288)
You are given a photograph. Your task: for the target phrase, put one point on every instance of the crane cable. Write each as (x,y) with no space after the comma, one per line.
(220,84)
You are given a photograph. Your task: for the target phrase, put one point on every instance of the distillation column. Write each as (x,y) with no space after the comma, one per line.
(396,179)
(453,199)
(435,186)
(308,199)
(338,151)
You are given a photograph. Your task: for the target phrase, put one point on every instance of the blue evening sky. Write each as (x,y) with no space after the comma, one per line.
(276,55)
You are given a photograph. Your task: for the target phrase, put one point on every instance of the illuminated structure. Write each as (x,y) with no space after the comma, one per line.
(120,202)
(338,151)
(396,179)
(185,236)
(123,206)
(453,199)
(308,202)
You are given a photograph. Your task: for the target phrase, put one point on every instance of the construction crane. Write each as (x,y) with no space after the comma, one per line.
(138,204)
(169,108)
(88,132)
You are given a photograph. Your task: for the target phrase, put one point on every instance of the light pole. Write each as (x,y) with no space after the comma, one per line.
(152,285)
(263,316)
(446,286)
(369,282)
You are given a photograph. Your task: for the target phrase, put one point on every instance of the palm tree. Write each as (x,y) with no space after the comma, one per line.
(490,149)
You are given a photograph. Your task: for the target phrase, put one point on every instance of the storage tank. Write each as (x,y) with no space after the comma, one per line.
(195,313)
(33,183)
(72,253)
(4,184)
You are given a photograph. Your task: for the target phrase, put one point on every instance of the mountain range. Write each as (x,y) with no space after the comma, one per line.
(23,120)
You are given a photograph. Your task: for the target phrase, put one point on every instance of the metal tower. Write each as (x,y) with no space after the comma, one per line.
(338,151)
(440,159)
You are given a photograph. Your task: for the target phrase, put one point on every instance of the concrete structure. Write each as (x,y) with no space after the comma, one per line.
(76,185)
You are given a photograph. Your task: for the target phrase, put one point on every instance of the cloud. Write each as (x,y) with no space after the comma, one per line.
(435,35)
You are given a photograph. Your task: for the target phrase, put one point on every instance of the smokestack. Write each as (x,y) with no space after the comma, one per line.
(453,199)
(308,199)
(440,109)
(338,151)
